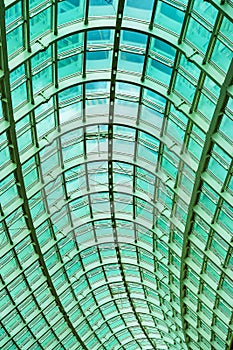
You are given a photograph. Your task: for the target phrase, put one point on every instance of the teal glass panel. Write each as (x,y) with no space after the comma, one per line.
(151,116)
(70,65)
(103,36)
(201,230)
(15,40)
(45,125)
(155,98)
(169,17)
(226,28)
(206,106)
(127,89)
(99,60)
(206,10)
(13,13)
(138,9)
(70,42)
(134,39)
(131,62)
(42,79)
(24,140)
(19,95)
(71,10)
(41,58)
(221,50)
(163,49)
(189,67)
(198,35)
(35,3)
(17,74)
(195,148)
(40,24)
(217,169)
(30,172)
(159,71)
(100,7)
(225,216)
(184,87)
(212,87)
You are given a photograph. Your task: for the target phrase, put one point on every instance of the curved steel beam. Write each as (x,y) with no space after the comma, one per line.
(203,164)
(125,77)
(133,25)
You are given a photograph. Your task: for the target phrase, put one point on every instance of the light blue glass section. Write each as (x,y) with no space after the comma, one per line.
(9,191)
(130,62)
(70,42)
(34,3)
(155,98)
(100,86)
(69,93)
(175,131)
(151,116)
(148,147)
(206,106)
(19,95)
(70,151)
(217,169)
(30,173)
(131,38)
(40,23)
(225,216)
(99,60)
(24,140)
(138,9)
(42,79)
(14,40)
(124,107)
(70,65)
(168,17)
(227,28)
(41,58)
(70,10)
(226,127)
(102,36)
(102,7)
(206,10)
(17,73)
(212,87)
(127,89)
(162,48)
(222,56)
(169,167)
(13,13)
(159,71)
(184,87)
(189,67)
(197,35)
(45,125)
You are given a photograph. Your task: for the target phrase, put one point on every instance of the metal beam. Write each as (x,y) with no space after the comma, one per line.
(203,164)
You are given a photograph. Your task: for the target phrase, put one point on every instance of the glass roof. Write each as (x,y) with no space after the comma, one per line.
(116,146)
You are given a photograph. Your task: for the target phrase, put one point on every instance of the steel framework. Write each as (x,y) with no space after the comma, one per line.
(116,146)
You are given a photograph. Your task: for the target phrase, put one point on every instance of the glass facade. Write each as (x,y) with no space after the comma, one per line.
(116,147)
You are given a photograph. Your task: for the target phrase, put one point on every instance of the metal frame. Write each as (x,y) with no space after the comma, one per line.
(184,181)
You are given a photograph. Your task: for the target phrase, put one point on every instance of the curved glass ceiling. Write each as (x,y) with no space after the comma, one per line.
(116,120)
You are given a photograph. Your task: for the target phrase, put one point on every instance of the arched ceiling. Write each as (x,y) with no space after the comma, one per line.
(116,121)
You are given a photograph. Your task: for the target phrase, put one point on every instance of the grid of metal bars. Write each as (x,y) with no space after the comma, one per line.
(116,146)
